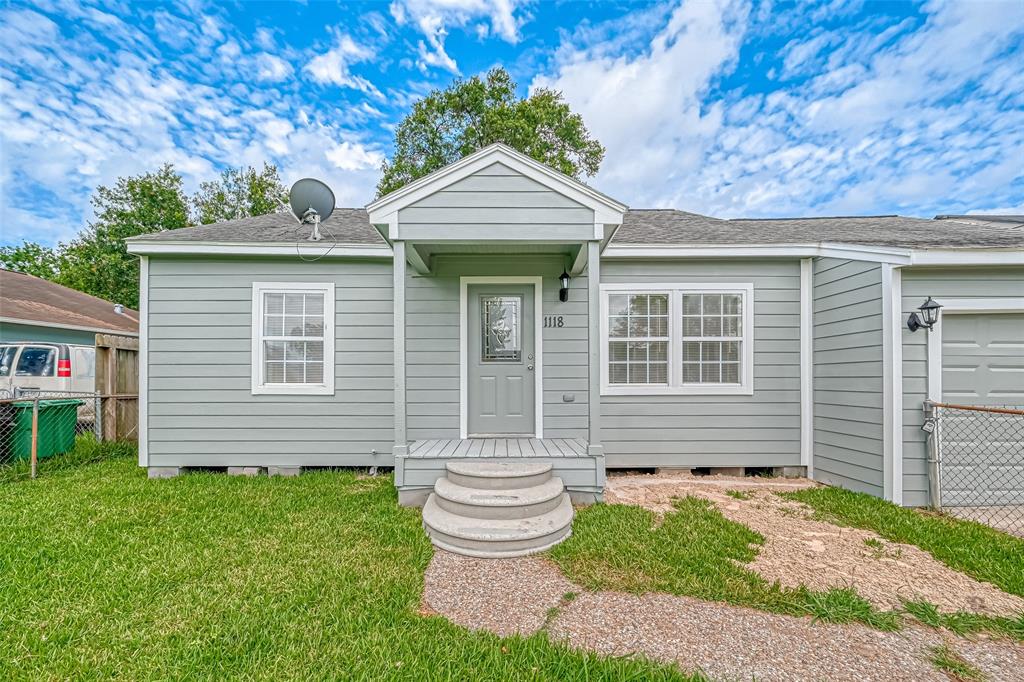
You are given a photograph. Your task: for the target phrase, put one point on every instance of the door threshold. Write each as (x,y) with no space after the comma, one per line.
(500,435)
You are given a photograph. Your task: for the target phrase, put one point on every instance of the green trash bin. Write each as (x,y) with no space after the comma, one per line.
(57,422)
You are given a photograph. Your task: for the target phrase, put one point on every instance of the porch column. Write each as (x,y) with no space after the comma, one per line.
(594,347)
(401,447)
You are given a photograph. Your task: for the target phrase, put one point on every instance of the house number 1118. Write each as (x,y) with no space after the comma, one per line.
(554,321)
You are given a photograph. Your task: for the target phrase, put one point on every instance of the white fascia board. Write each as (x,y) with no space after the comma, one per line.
(308,249)
(606,209)
(72,327)
(968,257)
(848,251)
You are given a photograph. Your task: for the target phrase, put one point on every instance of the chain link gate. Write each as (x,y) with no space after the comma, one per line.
(976,463)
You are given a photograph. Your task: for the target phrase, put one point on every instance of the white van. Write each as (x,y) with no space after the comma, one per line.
(29,367)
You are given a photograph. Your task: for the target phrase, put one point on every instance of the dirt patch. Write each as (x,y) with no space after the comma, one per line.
(799,550)
(508,596)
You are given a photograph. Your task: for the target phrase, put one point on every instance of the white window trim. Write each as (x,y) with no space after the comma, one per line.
(676,290)
(258,387)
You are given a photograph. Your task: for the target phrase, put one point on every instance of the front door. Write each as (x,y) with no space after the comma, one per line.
(500,360)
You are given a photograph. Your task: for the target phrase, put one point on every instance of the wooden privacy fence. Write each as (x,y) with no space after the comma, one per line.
(117,380)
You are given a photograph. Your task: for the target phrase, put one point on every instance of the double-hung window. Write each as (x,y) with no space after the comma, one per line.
(293,338)
(677,339)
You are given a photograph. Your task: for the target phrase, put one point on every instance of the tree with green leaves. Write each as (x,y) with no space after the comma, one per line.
(97,262)
(32,259)
(468,115)
(238,193)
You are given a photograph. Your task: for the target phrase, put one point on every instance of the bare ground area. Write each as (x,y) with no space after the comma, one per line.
(799,550)
(726,642)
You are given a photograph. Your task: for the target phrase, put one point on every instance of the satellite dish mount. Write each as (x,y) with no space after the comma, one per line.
(311,202)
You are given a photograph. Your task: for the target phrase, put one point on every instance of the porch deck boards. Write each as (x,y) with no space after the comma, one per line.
(497,447)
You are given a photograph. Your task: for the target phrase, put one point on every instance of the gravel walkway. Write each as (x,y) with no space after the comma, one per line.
(728,643)
(799,550)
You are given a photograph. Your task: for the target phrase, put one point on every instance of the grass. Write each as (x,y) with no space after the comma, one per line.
(738,494)
(694,552)
(105,573)
(973,548)
(951,663)
(86,450)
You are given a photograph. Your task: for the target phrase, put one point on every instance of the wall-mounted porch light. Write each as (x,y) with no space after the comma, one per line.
(563,293)
(929,316)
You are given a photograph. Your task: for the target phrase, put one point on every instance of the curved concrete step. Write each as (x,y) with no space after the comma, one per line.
(490,474)
(513,503)
(494,538)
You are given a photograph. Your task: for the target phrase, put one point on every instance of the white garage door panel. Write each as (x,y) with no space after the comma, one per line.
(982,365)
(983,359)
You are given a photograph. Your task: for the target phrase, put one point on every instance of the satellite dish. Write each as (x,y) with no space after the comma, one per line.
(311,201)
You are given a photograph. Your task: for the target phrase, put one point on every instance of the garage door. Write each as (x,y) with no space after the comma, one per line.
(983,452)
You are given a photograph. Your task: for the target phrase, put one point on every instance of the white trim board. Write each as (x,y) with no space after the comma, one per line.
(301,249)
(953,306)
(144,361)
(876,254)
(538,343)
(807,365)
(675,371)
(892,383)
(329,365)
(384,211)
(73,327)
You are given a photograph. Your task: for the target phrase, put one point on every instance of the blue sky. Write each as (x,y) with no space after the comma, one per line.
(722,107)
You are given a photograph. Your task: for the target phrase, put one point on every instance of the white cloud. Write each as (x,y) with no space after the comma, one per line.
(272,68)
(868,118)
(79,114)
(433,18)
(332,67)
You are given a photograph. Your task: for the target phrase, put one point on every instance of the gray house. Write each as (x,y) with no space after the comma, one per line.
(435,327)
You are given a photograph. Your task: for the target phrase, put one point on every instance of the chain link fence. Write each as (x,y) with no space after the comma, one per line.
(976,463)
(36,426)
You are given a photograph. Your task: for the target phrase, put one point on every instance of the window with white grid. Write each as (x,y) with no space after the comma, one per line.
(293,338)
(677,339)
(712,336)
(638,338)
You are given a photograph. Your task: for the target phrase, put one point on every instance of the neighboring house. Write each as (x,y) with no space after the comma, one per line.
(430,326)
(33,309)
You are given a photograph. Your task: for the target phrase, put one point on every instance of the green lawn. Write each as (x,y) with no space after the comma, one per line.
(104,573)
(697,552)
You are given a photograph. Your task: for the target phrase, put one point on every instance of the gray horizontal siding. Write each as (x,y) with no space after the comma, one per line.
(497,199)
(848,400)
(918,284)
(201,409)
(758,430)
(432,344)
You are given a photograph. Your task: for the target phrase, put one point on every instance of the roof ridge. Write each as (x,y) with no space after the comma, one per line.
(821,217)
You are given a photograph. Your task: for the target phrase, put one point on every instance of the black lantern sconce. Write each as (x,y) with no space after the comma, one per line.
(929,316)
(563,292)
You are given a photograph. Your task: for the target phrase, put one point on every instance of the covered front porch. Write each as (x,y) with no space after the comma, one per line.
(496,355)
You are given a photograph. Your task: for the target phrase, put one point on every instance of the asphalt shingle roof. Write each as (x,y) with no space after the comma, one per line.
(31,300)
(346,226)
(669,226)
(664,226)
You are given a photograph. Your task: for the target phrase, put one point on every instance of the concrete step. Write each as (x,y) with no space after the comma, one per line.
(497,538)
(513,503)
(491,474)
